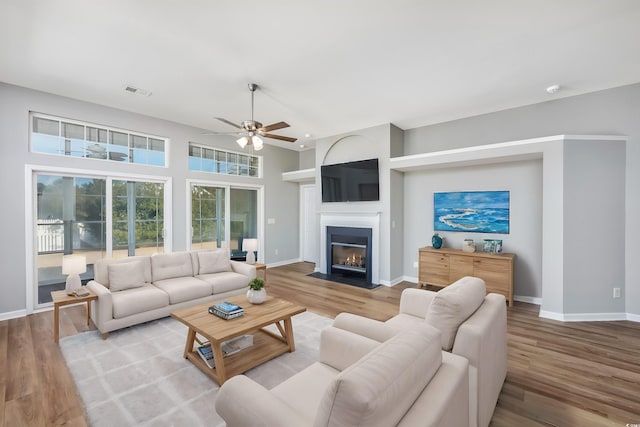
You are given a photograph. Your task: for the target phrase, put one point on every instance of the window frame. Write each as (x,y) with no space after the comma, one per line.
(109,141)
(230,165)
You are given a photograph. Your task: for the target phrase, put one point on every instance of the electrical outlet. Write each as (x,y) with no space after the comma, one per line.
(276,252)
(616,292)
(415,264)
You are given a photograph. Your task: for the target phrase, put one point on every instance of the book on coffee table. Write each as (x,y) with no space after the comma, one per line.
(228,348)
(226,310)
(207,355)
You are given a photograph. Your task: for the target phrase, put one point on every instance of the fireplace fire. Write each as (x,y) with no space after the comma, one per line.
(349,252)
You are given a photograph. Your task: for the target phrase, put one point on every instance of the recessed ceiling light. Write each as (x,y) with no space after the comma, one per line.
(301,145)
(307,135)
(553,89)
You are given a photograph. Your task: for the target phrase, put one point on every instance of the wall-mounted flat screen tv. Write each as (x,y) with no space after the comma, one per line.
(350,182)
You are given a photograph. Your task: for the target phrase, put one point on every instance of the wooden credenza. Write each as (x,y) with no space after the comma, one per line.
(441,267)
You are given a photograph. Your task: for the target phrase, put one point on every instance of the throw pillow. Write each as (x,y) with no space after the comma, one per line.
(213,262)
(125,275)
(453,305)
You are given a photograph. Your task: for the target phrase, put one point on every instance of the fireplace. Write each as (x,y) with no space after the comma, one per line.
(349,253)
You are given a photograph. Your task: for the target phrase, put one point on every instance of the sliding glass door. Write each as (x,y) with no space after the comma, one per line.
(138,218)
(70,219)
(96,217)
(223,216)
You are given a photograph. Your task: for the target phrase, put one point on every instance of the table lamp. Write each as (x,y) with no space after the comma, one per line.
(249,246)
(73,266)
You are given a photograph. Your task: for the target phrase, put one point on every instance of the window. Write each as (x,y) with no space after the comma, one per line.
(223,216)
(213,160)
(94,216)
(52,135)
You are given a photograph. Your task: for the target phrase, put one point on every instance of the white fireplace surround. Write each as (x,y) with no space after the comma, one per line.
(350,219)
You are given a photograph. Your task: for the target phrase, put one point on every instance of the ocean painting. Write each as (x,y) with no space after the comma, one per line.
(472,211)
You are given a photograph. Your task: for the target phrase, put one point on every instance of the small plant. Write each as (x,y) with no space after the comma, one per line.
(256,284)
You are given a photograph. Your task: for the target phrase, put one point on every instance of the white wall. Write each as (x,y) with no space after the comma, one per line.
(522,179)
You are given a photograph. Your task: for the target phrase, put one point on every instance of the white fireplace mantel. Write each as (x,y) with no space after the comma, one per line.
(352,219)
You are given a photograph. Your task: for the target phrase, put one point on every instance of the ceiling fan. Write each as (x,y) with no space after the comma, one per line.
(251,130)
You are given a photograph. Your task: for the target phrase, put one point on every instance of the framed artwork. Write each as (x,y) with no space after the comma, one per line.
(471,211)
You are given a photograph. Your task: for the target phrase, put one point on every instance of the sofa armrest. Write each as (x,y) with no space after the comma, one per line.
(103,306)
(364,326)
(340,348)
(416,302)
(242,402)
(482,340)
(244,268)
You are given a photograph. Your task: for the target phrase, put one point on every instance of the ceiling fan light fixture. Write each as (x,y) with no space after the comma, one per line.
(242,142)
(257,142)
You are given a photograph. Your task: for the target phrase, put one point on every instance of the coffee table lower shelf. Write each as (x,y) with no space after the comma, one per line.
(266,346)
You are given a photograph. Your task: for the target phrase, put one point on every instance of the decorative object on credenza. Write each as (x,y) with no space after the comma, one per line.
(436,241)
(468,245)
(476,211)
(492,245)
(250,246)
(73,266)
(256,293)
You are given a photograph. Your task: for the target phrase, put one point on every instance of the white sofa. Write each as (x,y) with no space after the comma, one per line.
(405,381)
(141,288)
(472,325)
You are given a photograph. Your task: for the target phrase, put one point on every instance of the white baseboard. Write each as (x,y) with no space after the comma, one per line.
(285,262)
(633,317)
(585,317)
(529,300)
(13,314)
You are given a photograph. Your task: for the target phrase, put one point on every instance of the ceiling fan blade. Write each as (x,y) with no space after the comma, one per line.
(281,138)
(275,126)
(222,133)
(228,122)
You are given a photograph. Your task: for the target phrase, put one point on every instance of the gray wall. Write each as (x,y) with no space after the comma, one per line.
(15,105)
(610,112)
(307,159)
(524,182)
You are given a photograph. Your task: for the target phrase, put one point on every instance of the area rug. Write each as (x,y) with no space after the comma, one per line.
(138,377)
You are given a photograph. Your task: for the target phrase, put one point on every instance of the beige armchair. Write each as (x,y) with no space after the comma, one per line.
(472,325)
(405,381)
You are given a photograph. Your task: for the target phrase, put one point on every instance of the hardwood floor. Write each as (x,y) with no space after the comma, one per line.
(560,374)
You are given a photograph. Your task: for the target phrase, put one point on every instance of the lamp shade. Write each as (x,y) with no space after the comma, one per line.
(250,245)
(74,264)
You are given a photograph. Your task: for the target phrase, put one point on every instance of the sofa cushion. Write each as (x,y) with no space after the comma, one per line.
(379,388)
(168,266)
(138,300)
(182,289)
(225,281)
(125,275)
(101,268)
(453,305)
(213,262)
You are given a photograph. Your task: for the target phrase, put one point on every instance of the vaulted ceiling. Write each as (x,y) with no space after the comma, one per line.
(325,67)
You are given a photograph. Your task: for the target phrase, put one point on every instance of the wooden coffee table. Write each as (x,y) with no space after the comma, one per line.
(266,344)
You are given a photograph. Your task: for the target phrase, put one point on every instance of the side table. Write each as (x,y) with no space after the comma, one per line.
(61,298)
(263,268)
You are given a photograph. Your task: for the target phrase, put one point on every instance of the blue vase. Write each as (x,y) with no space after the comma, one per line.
(436,241)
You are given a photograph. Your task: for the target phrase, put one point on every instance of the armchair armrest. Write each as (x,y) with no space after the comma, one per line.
(364,326)
(103,306)
(244,268)
(242,402)
(340,348)
(416,302)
